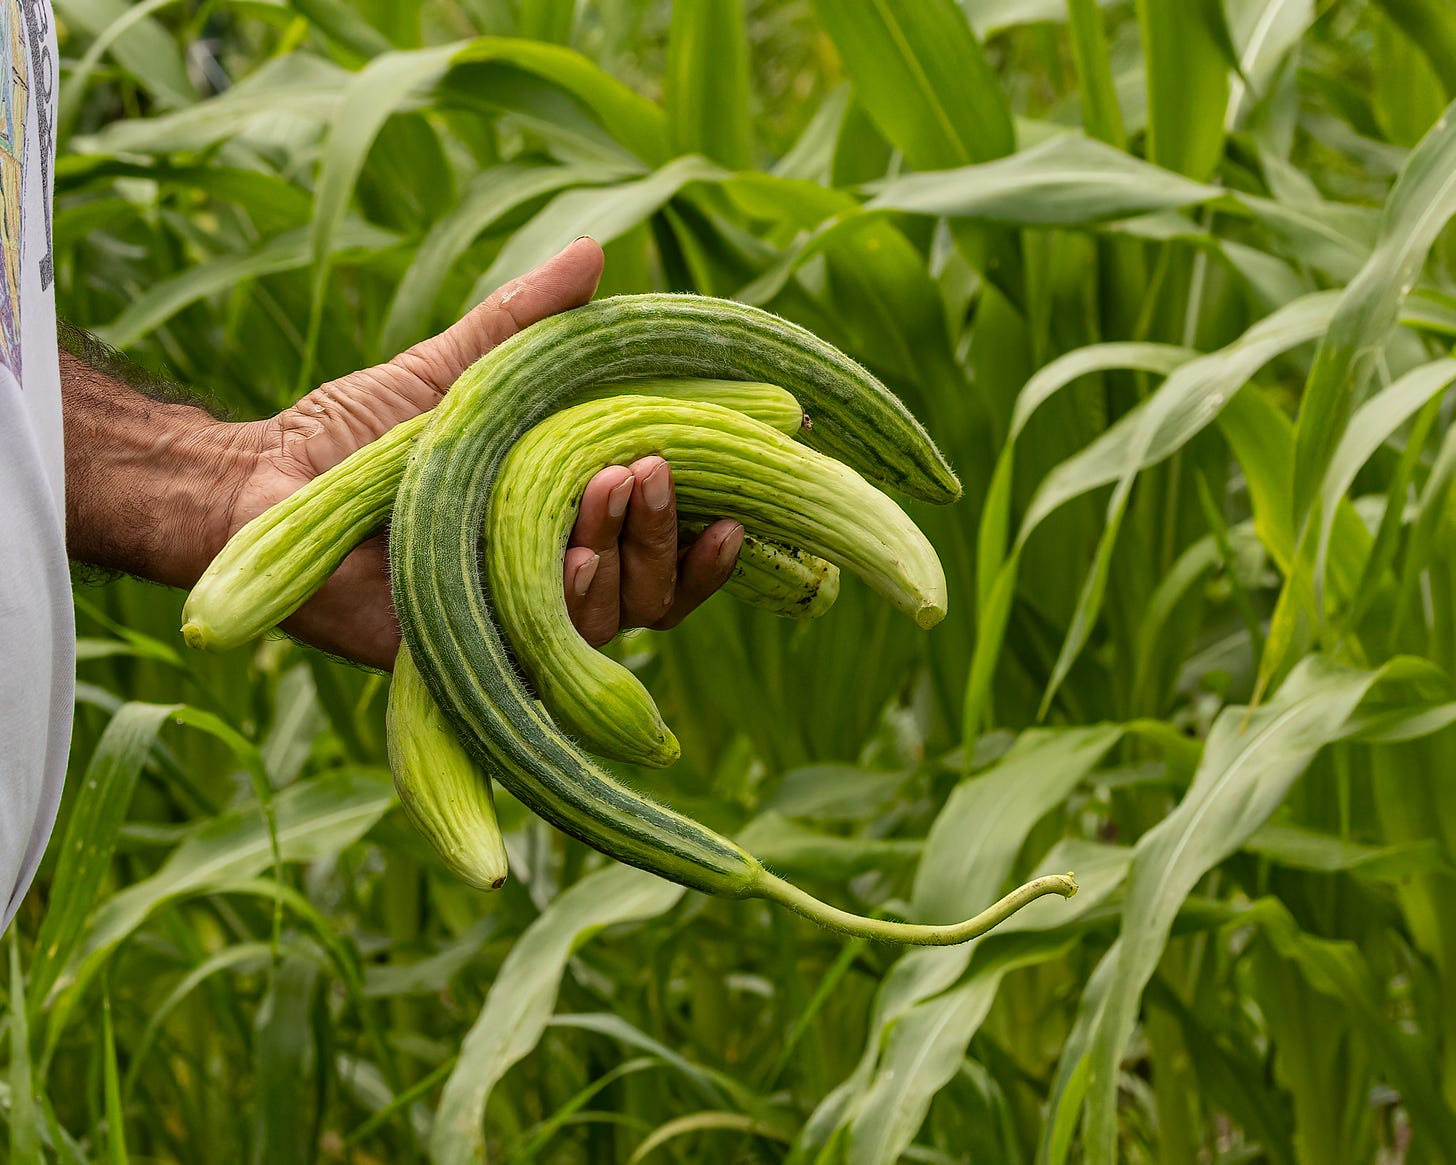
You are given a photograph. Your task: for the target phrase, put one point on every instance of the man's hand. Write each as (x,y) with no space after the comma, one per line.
(160,498)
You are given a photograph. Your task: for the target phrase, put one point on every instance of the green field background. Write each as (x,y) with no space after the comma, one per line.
(1170,282)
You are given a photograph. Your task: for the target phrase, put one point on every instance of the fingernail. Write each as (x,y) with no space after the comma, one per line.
(657,487)
(579,239)
(619,497)
(581,581)
(730,546)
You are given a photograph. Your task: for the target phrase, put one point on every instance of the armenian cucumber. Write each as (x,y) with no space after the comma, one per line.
(725,464)
(275,562)
(445,606)
(444,792)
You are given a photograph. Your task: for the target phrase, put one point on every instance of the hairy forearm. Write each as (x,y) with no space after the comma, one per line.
(143,477)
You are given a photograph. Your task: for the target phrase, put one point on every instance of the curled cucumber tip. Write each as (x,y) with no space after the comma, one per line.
(195,635)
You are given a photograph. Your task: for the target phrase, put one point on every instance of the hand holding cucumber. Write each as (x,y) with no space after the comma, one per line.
(623,569)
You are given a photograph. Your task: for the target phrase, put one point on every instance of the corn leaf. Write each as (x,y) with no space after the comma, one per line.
(90,837)
(1423,201)
(1249,763)
(1428,24)
(923,78)
(24,1115)
(1067,180)
(493,194)
(707,84)
(1372,424)
(520,1002)
(1184,45)
(605,213)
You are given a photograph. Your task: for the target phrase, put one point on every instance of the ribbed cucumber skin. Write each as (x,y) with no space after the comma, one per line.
(444,605)
(445,794)
(725,465)
(775,407)
(269,568)
(275,562)
(777,578)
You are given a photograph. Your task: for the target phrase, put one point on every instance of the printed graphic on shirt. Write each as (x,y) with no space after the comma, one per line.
(14,97)
(43,93)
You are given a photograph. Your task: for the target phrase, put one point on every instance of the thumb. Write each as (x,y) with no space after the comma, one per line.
(568,279)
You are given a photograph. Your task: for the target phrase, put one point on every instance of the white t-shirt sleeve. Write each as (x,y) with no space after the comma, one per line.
(37,629)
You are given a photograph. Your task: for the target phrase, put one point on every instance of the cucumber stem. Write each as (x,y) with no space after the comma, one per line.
(911,934)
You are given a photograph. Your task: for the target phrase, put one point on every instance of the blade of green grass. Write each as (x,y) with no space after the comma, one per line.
(923,78)
(90,839)
(974,839)
(997,563)
(387,84)
(285,1126)
(1187,78)
(142,47)
(1423,201)
(340,23)
(290,251)
(797,851)
(604,212)
(1189,400)
(69,102)
(1340,971)
(707,85)
(1429,25)
(521,999)
(1302,848)
(1406,94)
(24,1115)
(1371,425)
(240,956)
(315,818)
(492,194)
(1101,114)
(969,855)
(297,85)
(715,1086)
(1067,180)
(1265,31)
(115,1114)
(705,1121)
(547,20)
(927,1045)
(1250,762)
(640,125)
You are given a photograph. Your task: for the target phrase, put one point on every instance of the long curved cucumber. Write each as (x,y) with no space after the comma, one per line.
(445,794)
(445,606)
(774,577)
(274,563)
(724,464)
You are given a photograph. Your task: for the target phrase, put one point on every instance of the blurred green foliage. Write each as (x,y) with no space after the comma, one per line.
(1170,280)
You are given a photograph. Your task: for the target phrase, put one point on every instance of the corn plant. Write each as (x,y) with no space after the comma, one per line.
(1171,283)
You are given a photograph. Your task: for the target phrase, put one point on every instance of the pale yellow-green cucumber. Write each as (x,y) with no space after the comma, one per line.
(445,605)
(724,464)
(444,792)
(274,563)
(774,577)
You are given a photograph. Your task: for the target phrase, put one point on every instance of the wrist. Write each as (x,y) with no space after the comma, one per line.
(193,474)
(149,484)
